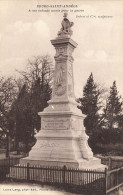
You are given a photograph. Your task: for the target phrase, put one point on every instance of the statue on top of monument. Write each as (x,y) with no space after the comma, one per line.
(66,27)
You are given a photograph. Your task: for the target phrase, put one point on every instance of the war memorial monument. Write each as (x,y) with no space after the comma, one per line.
(62,139)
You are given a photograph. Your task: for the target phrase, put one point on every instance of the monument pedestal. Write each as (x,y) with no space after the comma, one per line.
(62,139)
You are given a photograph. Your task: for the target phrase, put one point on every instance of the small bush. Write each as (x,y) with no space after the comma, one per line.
(109,149)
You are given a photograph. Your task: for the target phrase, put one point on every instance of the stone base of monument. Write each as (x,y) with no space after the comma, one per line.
(62,141)
(91,164)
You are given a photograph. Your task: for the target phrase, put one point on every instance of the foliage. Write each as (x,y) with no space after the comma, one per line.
(40,94)
(111,126)
(32,98)
(90,105)
(112,121)
(113,108)
(38,67)
(8,94)
(109,149)
(22,98)
(103,123)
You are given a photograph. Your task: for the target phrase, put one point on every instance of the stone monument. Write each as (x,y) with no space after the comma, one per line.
(62,139)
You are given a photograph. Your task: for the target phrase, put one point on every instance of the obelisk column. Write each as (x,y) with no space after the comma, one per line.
(63,86)
(63,78)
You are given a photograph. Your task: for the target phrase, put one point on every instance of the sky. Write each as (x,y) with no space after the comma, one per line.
(25,33)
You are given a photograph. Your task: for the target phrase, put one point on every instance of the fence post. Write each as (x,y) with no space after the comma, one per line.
(27,171)
(9,165)
(106,181)
(63,174)
(117,177)
(109,163)
(9,162)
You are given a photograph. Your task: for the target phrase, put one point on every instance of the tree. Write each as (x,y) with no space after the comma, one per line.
(112,114)
(38,78)
(90,105)
(21,120)
(8,94)
(120,121)
(21,99)
(38,67)
(40,94)
(32,98)
(113,107)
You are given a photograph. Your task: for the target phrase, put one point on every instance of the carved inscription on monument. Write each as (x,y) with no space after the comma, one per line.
(46,144)
(55,124)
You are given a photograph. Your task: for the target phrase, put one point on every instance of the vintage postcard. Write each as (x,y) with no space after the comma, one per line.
(63,48)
